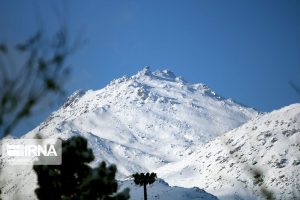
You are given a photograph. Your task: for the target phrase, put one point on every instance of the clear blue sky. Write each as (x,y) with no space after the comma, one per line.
(245,50)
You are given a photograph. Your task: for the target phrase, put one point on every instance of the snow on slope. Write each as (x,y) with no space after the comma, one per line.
(157,117)
(161,190)
(226,166)
(140,123)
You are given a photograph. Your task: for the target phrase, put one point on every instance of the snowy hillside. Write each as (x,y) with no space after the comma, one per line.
(225,167)
(140,123)
(157,117)
(161,190)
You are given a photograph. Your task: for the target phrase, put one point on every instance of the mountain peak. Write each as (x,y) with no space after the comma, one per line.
(144,72)
(141,122)
(164,74)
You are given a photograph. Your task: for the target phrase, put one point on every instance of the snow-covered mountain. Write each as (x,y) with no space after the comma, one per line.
(141,123)
(157,117)
(267,147)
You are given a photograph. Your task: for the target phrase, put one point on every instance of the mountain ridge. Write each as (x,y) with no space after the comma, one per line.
(140,122)
(227,165)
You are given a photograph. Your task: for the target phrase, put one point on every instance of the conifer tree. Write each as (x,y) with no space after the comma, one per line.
(75,179)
